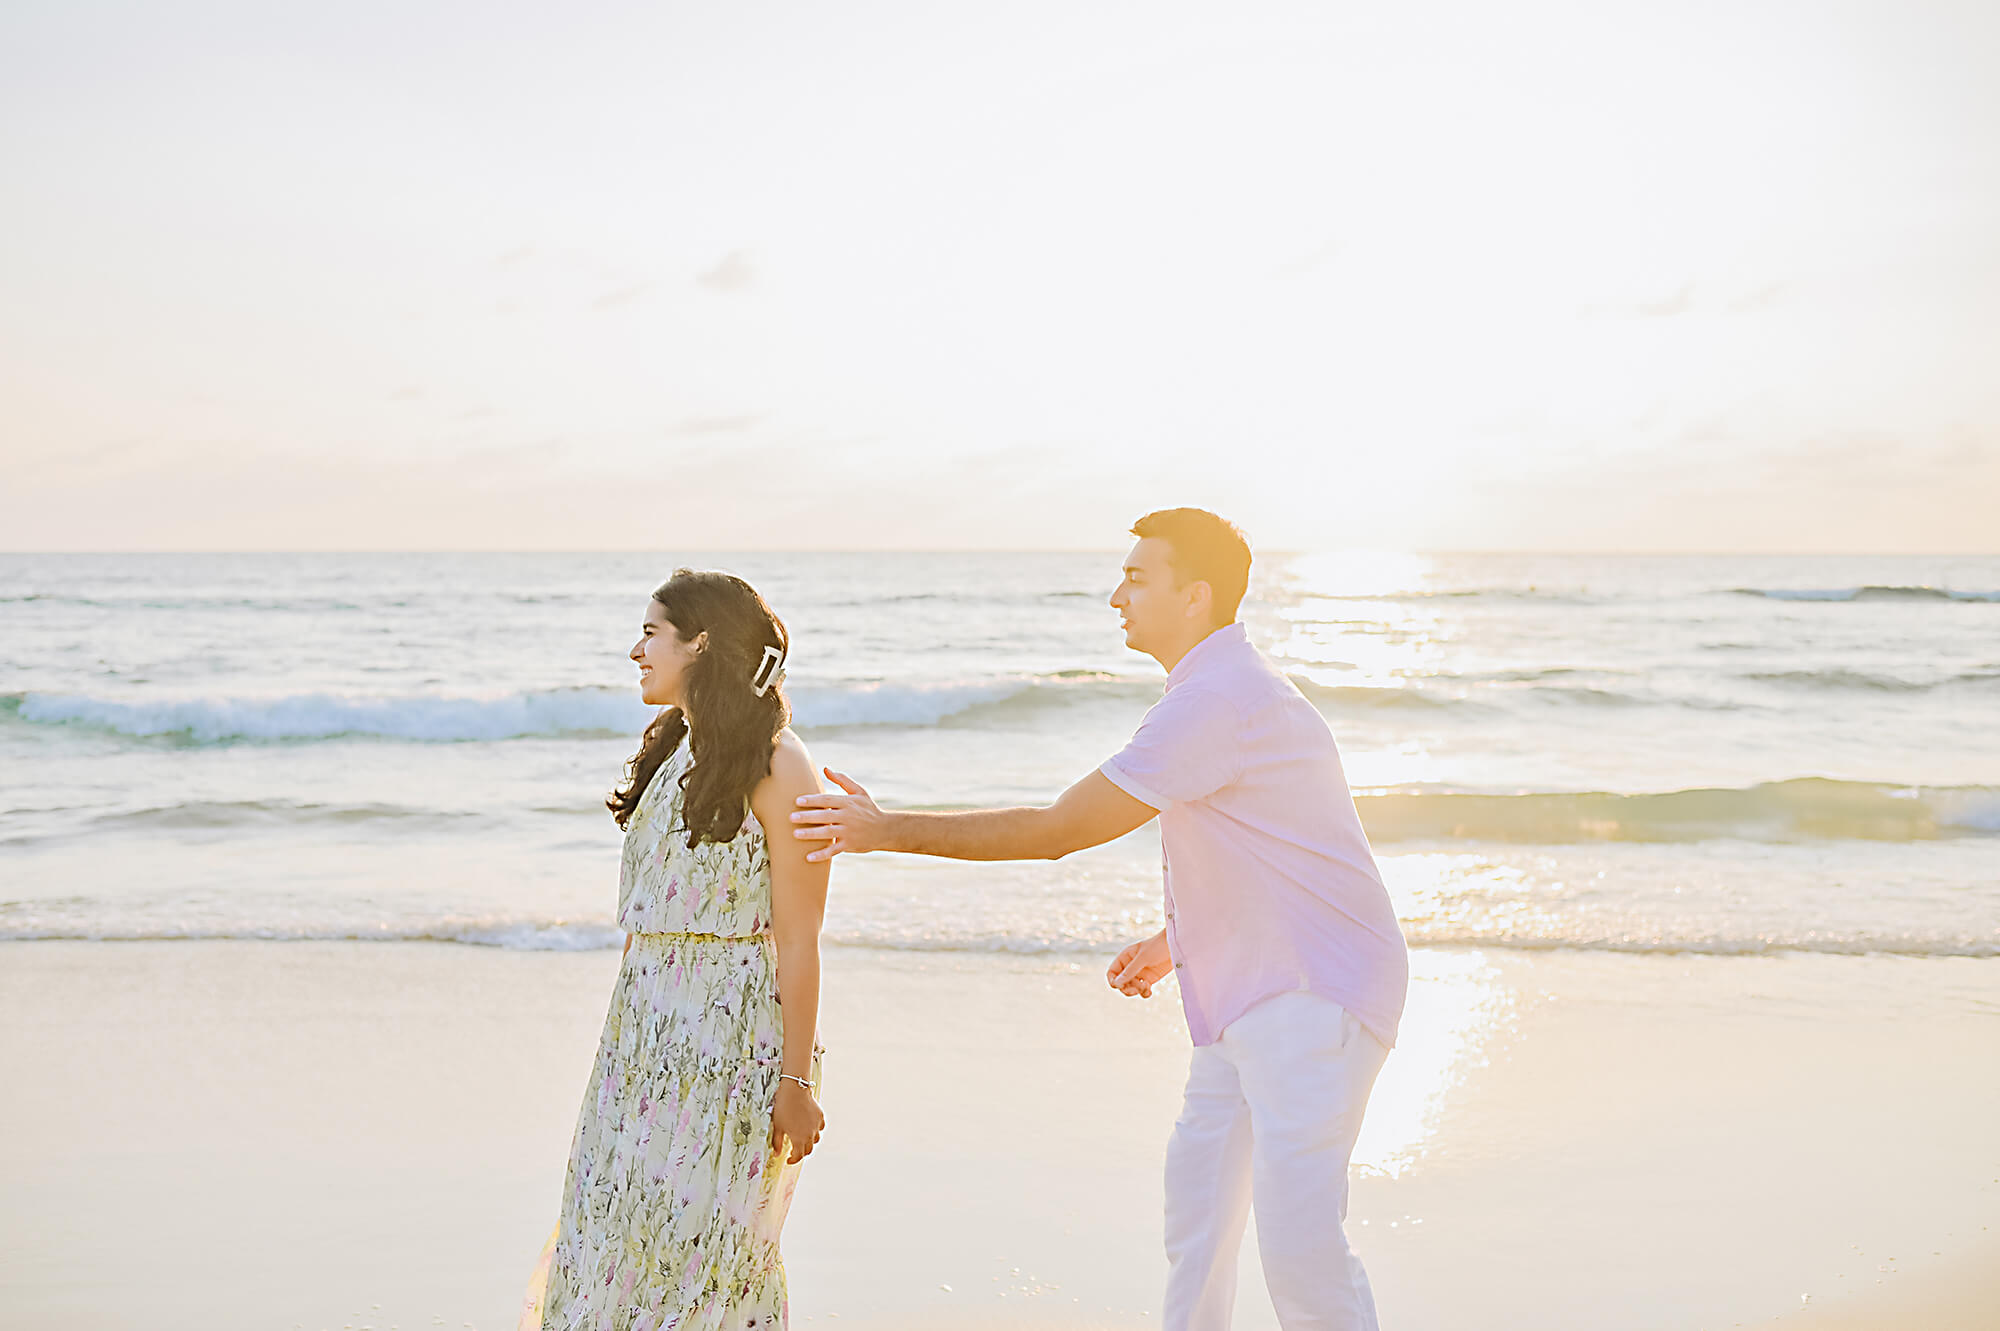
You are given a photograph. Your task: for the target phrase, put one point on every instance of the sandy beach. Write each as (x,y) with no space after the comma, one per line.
(331,1135)
(1517,477)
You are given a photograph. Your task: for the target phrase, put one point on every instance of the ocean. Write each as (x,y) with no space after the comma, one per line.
(1728,755)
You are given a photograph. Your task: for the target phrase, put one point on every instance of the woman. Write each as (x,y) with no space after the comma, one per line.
(703,1100)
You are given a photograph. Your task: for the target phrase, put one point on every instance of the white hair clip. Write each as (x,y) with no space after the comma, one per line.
(767,671)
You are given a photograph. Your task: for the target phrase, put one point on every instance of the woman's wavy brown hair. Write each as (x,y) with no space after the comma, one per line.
(738,730)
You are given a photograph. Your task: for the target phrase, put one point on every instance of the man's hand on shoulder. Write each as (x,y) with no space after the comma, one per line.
(846,823)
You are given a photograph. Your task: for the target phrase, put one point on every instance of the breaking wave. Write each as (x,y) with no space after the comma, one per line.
(1872,592)
(326,716)
(1840,945)
(1808,808)
(607,712)
(1859,679)
(579,712)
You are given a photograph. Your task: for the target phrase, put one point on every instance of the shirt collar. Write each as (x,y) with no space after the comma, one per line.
(1215,643)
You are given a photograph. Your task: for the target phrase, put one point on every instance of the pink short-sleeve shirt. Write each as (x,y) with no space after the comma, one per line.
(1270,885)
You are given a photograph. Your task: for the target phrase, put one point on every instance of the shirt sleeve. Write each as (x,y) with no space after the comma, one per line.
(1186,749)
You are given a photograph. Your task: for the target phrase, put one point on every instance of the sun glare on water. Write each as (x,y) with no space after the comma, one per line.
(1457,1009)
(1335,618)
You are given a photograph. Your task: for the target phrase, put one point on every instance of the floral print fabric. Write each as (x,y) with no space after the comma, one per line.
(673,1202)
(665,888)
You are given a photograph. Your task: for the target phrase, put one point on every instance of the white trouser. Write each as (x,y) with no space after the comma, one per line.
(1271,1114)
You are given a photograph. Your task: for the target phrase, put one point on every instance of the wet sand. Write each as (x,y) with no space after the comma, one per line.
(332,1135)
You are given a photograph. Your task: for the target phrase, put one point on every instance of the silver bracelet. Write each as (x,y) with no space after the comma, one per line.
(786,1076)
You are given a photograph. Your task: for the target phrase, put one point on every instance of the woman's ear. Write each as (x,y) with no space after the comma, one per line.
(701,642)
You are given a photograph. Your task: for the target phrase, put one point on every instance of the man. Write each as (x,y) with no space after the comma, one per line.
(1291,966)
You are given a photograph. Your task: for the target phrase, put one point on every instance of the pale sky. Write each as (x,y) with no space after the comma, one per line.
(1551,276)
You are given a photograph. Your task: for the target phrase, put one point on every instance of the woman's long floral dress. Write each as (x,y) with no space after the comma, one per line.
(673,1202)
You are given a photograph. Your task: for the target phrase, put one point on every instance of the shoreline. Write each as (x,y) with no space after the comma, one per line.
(271,1134)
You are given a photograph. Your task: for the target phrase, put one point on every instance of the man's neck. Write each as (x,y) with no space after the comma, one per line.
(1179,654)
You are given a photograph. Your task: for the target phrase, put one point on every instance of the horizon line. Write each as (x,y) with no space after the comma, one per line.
(1021,550)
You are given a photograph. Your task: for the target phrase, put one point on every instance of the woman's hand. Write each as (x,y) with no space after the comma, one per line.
(1140,966)
(796,1118)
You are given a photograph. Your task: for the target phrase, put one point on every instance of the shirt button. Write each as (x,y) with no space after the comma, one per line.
(1170,915)
(1177,965)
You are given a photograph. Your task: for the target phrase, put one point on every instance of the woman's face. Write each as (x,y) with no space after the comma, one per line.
(663,657)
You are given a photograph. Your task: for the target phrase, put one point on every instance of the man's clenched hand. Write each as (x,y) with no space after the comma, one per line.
(1141,966)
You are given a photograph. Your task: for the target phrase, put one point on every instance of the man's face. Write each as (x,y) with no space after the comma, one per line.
(1153,609)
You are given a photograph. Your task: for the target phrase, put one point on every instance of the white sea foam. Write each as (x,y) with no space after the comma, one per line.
(608,712)
(580,711)
(562,935)
(324,715)
(1871,592)
(1971,809)
(85,919)
(891,704)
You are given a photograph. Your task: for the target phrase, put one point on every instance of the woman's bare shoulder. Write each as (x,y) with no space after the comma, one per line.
(792,772)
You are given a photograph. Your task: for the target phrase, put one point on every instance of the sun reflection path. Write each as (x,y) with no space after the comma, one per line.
(1333,618)
(1458,1006)
(1406,763)
(1339,573)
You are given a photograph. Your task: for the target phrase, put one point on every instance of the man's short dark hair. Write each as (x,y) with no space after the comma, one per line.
(1203,548)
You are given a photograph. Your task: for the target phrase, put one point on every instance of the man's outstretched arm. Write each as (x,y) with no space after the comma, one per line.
(1089,813)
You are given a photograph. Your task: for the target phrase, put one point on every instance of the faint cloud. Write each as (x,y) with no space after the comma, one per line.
(1310,260)
(1683,301)
(1969,449)
(1865,460)
(514,258)
(732,274)
(624,295)
(1710,430)
(407,393)
(1762,298)
(711,425)
(1679,303)
(1844,448)
(533,451)
(64,460)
